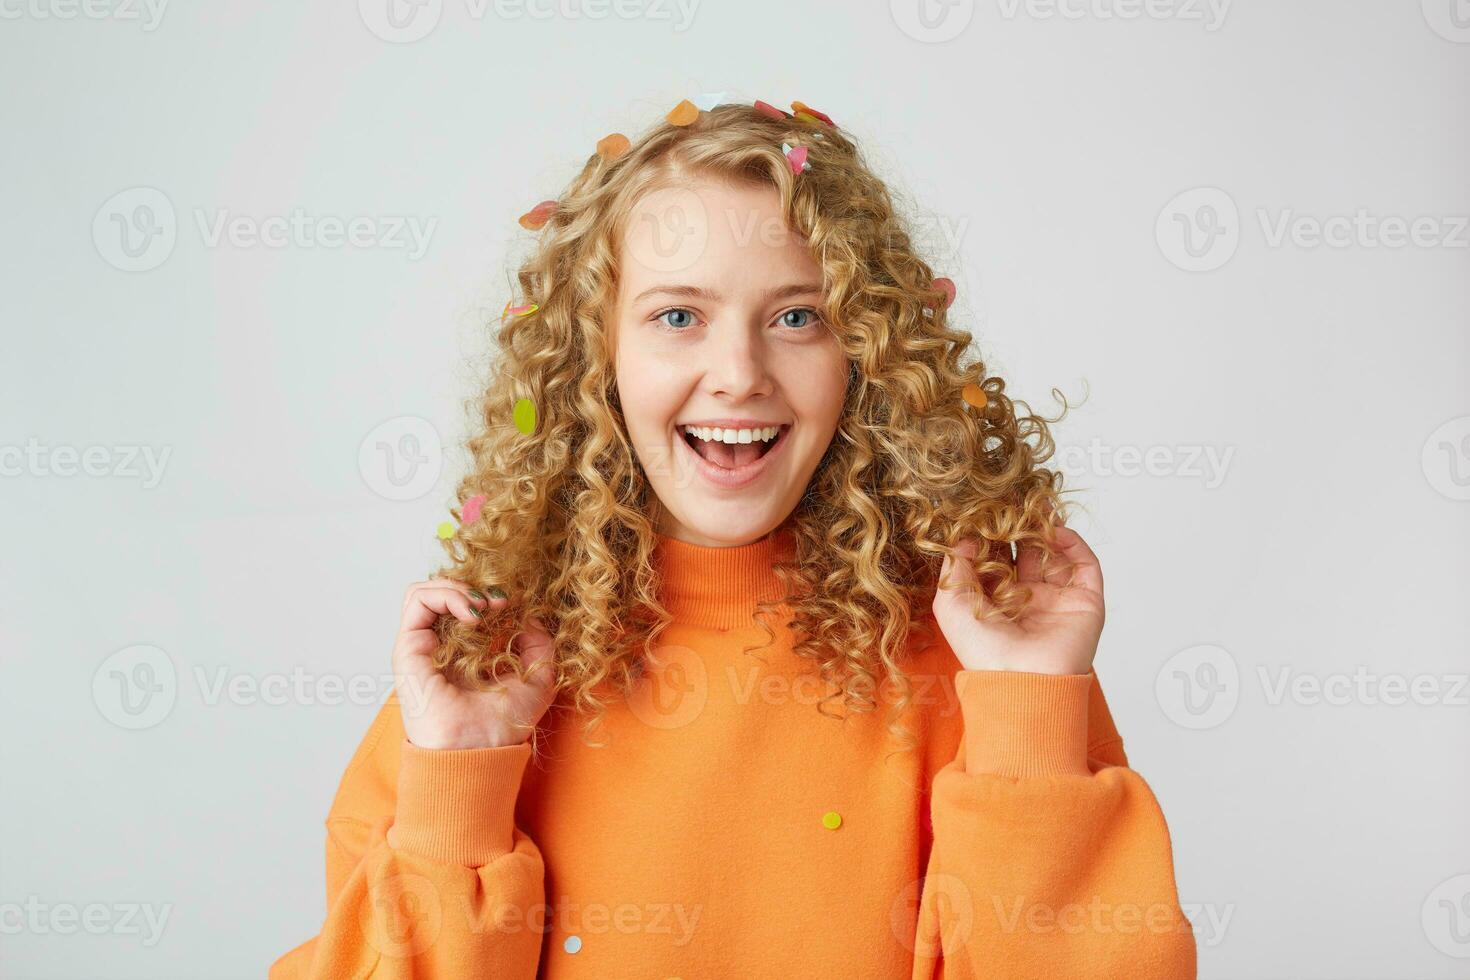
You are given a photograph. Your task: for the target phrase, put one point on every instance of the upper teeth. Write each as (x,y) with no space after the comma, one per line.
(717,434)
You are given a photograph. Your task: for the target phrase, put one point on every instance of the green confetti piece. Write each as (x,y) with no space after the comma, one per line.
(525,415)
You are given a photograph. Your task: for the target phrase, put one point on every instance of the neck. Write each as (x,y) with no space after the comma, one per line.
(718,587)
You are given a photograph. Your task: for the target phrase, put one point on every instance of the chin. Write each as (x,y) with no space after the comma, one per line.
(710,530)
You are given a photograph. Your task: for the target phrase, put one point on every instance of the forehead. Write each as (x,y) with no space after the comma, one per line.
(709,233)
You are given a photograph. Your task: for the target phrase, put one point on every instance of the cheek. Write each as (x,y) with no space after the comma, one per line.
(648,391)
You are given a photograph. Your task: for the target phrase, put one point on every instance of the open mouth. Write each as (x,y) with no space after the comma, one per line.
(732,449)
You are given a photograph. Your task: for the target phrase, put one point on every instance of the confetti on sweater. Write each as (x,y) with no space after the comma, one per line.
(831,820)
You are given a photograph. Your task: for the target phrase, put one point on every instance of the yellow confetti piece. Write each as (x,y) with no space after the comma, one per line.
(831,820)
(975,395)
(526,310)
(524,415)
(683,114)
(446,531)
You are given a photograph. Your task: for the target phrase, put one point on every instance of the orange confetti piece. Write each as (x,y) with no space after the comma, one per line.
(536,218)
(683,114)
(802,109)
(975,395)
(612,146)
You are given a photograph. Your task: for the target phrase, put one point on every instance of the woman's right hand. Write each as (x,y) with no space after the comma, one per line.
(439,715)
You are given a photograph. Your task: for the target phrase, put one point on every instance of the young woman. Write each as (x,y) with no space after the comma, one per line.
(764,650)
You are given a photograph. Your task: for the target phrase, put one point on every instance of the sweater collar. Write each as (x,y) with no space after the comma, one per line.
(719,587)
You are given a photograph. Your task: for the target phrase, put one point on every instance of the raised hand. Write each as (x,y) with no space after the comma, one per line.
(1058,631)
(439,715)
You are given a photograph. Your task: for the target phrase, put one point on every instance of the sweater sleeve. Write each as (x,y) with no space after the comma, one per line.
(1050,857)
(427,874)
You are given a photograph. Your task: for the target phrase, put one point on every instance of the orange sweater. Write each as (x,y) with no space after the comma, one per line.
(726,829)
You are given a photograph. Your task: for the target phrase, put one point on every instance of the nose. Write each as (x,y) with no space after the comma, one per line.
(738,367)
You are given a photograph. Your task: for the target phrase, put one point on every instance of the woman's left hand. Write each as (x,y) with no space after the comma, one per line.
(1057,633)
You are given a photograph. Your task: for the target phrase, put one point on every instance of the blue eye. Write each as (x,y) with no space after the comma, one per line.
(676,311)
(811,314)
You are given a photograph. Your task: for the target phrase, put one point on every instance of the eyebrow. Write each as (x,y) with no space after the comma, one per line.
(699,292)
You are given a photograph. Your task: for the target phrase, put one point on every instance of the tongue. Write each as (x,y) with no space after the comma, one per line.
(730,456)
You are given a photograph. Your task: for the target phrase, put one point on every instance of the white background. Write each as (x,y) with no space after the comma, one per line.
(1039,150)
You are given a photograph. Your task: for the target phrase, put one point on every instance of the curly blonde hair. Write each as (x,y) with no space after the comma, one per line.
(568,524)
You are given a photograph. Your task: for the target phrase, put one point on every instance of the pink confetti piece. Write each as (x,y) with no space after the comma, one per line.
(796,157)
(470,513)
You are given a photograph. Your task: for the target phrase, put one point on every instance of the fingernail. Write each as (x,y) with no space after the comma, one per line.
(477,593)
(476,611)
(496,592)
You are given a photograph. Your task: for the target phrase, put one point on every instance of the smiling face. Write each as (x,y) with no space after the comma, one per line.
(730,381)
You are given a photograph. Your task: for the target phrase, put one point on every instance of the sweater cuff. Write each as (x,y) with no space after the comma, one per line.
(457,806)
(1019,723)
